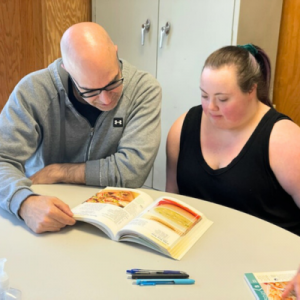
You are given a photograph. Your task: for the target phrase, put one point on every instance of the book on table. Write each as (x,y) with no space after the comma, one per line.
(270,285)
(167,225)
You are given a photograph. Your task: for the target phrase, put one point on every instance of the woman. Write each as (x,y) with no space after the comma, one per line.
(235,149)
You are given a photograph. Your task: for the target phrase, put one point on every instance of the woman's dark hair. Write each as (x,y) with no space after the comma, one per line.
(253,67)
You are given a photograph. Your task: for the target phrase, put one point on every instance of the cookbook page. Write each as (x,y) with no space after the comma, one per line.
(167,222)
(112,208)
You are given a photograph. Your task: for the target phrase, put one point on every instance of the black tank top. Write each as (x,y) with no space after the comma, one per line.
(247,184)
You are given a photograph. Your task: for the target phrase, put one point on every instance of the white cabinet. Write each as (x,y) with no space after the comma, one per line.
(197,28)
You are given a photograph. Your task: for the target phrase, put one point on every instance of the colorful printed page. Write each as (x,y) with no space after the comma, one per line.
(168,223)
(270,285)
(112,208)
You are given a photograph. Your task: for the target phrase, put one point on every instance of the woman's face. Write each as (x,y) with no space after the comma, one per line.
(223,102)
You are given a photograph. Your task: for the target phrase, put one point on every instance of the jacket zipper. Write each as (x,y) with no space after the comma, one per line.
(89,145)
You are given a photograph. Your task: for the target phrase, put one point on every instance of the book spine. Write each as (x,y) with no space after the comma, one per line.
(255,287)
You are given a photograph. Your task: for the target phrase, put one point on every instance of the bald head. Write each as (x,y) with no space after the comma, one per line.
(88,51)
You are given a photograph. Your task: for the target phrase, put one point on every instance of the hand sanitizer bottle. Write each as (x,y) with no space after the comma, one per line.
(7,293)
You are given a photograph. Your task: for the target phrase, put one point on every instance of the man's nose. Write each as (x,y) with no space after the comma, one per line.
(104,97)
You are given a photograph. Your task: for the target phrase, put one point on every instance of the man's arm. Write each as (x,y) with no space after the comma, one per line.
(44,213)
(20,136)
(19,139)
(55,173)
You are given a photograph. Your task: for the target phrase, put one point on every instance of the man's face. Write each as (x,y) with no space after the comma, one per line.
(103,90)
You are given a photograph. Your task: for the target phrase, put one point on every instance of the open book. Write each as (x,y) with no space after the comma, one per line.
(270,285)
(166,225)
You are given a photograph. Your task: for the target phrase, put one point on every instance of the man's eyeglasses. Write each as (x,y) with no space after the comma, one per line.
(88,93)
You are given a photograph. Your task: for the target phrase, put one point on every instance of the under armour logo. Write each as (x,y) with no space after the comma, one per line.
(118,122)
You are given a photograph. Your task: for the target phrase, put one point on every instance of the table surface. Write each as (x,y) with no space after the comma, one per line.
(81,262)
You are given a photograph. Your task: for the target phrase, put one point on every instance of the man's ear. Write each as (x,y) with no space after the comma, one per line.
(116,46)
(63,66)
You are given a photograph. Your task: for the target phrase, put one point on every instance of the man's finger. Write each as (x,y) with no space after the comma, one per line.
(63,214)
(64,207)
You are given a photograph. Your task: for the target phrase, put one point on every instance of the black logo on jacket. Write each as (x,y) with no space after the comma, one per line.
(118,122)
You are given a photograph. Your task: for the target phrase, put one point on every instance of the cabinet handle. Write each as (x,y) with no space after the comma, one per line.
(164,31)
(145,27)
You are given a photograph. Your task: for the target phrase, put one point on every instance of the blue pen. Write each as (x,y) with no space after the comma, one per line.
(164,281)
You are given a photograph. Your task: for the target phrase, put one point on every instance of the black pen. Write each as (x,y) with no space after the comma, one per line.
(132,271)
(158,275)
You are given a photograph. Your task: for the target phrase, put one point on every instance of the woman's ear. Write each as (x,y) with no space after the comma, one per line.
(253,89)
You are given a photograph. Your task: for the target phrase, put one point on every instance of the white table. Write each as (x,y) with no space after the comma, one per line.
(80,262)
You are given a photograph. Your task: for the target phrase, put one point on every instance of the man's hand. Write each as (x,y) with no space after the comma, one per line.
(294,285)
(44,213)
(55,173)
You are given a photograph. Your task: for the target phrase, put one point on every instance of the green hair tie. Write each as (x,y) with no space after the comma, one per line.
(250,48)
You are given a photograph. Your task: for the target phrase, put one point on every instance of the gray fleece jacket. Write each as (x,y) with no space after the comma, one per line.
(39,126)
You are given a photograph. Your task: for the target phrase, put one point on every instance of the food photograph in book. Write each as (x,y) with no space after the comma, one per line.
(173,215)
(274,290)
(119,198)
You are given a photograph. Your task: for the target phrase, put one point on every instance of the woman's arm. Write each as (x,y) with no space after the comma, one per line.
(284,153)
(173,145)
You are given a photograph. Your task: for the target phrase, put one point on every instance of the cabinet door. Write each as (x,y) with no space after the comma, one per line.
(123,21)
(197,28)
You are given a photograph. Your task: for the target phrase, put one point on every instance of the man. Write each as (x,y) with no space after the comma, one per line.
(89,118)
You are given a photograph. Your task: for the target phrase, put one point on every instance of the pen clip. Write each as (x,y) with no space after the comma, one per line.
(147,283)
(132,271)
(169,272)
